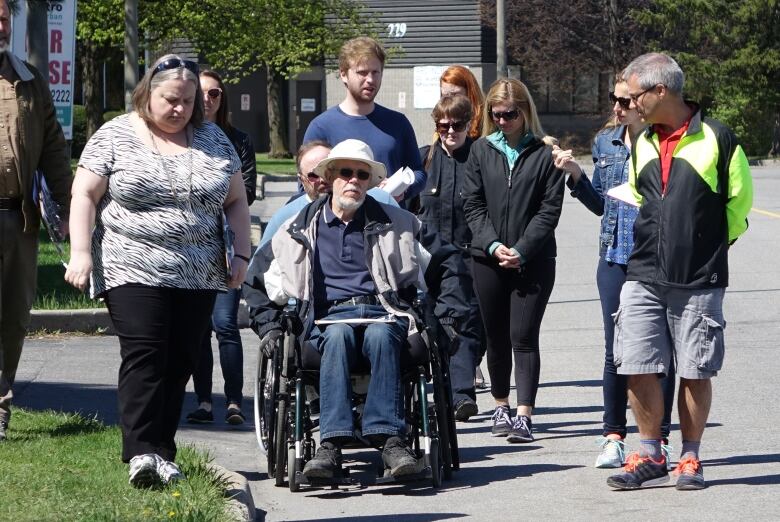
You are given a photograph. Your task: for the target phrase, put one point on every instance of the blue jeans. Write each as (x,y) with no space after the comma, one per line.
(224,320)
(610,278)
(341,345)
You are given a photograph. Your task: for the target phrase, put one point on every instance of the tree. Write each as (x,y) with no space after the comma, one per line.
(556,41)
(100,37)
(730,52)
(285,37)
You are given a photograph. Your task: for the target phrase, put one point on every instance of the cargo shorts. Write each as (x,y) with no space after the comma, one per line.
(655,323)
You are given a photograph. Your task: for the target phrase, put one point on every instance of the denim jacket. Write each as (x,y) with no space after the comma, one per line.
(610,160)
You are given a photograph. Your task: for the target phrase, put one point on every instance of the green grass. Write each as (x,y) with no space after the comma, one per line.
(274,166)
(59,466)
(53,292)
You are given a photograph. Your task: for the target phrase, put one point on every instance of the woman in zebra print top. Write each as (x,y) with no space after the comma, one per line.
(148,199)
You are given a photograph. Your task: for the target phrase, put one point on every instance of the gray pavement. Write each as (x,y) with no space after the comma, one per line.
(553,477)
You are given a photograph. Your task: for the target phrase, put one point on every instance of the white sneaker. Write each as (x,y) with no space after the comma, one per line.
(168,471)
(143,470)
(613,453)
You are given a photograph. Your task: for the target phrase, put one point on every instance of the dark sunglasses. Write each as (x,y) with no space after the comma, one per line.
(635,97)
(175,63)
(456,126)
(361,174)
(507,116)
(624,102)
(311,176)
(215,92)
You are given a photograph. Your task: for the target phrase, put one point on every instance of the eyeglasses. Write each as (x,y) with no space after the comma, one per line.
(507,116)
(456,126)
(311,176)
(624,102)
(361,174)
(635,97)
(214,92)
(175,63)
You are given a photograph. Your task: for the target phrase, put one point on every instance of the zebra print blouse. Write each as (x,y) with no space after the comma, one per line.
(142,234)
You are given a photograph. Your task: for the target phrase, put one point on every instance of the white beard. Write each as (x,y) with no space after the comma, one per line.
(349,204)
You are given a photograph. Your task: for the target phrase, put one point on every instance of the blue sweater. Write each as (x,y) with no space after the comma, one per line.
(388,133)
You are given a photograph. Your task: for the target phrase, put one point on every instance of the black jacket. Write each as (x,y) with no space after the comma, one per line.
(520,210)
(246,152)
(441,201)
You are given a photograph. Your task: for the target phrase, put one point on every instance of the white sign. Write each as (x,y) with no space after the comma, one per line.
(244,102)
(402,100)
(426,85)
(62,49)
(308,105)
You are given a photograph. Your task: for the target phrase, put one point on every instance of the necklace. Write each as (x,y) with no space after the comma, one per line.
(186,205)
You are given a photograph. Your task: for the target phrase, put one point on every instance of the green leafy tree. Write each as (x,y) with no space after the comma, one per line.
(285,37)
(730,52)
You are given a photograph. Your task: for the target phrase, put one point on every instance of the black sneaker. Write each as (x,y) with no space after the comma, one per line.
(399,458)
(640,472)
(465,409)
(325,463)
(234,417)
(521,430)
(502,421)
(200,416)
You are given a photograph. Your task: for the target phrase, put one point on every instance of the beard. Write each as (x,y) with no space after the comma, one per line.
(346,203)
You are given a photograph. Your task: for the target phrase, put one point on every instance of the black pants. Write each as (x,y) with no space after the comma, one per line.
(160,333)
(512,303)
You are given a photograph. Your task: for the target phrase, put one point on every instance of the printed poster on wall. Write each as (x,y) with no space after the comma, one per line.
(62,49)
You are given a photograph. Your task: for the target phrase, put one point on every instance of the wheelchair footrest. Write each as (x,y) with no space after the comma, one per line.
(337,480)
(387,478)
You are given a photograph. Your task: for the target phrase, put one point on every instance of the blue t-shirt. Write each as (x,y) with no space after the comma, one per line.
(388,133)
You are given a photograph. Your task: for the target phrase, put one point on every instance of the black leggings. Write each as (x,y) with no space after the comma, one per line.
(160,334)
(512,303)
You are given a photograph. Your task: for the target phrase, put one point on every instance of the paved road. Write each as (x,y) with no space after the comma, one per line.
(553,477)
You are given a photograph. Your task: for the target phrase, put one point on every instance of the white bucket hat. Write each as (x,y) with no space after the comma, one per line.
(353,150)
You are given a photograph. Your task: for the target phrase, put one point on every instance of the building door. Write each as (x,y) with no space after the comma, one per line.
(308,94)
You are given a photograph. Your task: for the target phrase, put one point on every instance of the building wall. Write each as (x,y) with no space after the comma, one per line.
(428,36)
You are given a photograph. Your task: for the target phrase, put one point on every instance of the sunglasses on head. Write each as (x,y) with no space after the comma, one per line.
(175,63)
(507,116)
(456,126)
(623,102)
(347,173)
(214,92)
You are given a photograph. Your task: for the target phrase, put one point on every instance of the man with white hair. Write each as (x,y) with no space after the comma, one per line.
(349,257)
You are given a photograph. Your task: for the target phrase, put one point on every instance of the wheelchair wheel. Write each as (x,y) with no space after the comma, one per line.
(293,466)
(280,440)
(266,388)
(445,421)
(435,463)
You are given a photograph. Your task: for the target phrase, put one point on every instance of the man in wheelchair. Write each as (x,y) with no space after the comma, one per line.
(354,266)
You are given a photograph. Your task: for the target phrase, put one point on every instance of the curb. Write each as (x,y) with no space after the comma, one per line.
(764,162)
(240,501)
(92,320)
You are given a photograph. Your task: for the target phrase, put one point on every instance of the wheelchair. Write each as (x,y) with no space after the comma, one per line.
(284,424)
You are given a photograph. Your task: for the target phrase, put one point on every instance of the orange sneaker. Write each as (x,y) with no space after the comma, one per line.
(640,472)
(690,474)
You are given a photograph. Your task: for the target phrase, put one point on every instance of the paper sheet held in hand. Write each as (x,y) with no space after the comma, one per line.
(623,193)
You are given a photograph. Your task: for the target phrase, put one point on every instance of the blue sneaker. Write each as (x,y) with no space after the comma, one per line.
(640,472)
